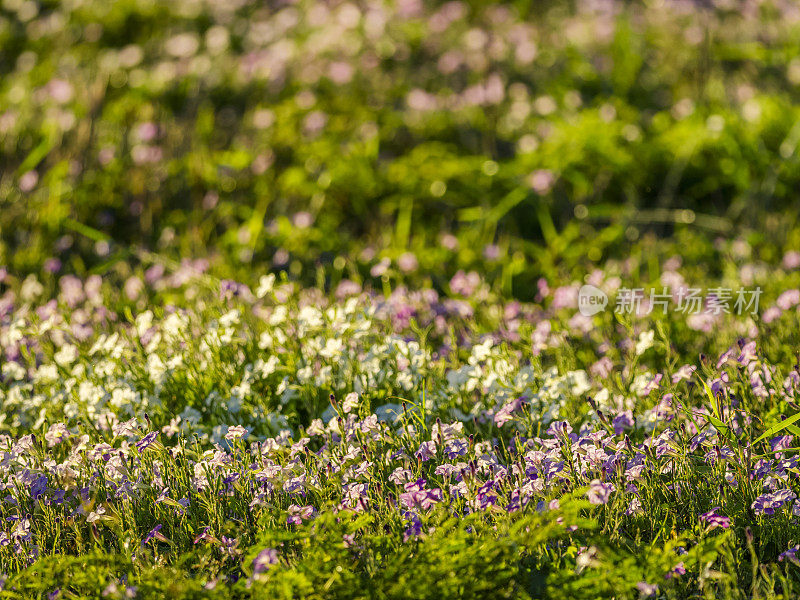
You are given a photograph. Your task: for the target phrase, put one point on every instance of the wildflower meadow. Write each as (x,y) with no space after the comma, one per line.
(399,299)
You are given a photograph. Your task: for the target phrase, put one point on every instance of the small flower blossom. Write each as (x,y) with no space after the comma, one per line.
(205,536)
(264,560)
(791,555)
(644,342)
(769,504)
(350,402)
(504,415)
(235,432)
(713,519)
(600,493)
(265,285)
(676,571)
(56,434)
(146,441)
(298,514)
(647,590)
(426,451)
(154,534)
(96,514)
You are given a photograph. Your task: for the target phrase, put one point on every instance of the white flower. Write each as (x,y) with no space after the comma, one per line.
(480,352)
(95,514)
(31,288)
(144,321)
(66,355)
(305,374)
(265,341)
(332,348)
(265,369)
(46,374)
(235,432)
(230,318)
(126,429)
(124,396)
(645,341)
(317,427)
(579,382)
(13,371)
(265,285)
(278,316)
(156,368)
(350,402)
(174,325)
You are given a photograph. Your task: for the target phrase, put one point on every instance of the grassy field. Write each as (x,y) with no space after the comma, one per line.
(399,299)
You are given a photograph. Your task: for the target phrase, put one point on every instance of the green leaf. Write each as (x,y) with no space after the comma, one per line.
(785,424)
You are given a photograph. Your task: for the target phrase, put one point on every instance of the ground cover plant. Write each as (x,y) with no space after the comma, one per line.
(280,442)
(293,300)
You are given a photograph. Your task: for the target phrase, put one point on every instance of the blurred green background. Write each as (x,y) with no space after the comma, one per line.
(403,140)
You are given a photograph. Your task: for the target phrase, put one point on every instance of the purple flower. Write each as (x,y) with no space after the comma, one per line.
(712,519)
(295,484)
(791,555)
(464,283)
(154,534)
(52,265)
(456,448)
(676,571)
(298,514)
(559,429)
(38,487)
(719,383)
(264,560)
(229,545)
(421,498)
(503,415)
(783,442)
(600,493)
(355,497)
(144,443)
(748,354)
(602,368)
(400,475)
(57,433)
(767,504)
(414,528)
(622,421)
(762,469)
(426,451)
(204,536)
(228,288)
(652,384)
